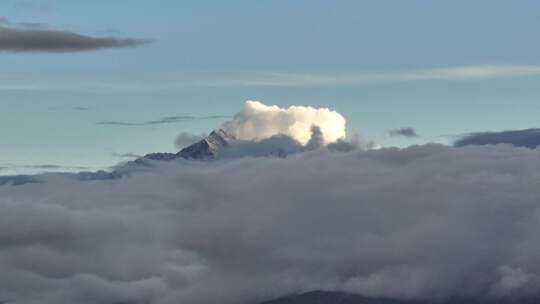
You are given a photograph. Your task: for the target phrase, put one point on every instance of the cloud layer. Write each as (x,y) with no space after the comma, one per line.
(43,40)
(529,138)
(422,222)
(259,121)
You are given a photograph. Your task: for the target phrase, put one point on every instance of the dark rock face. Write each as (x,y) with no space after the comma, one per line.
(159,156)
(205,149)
(198,151)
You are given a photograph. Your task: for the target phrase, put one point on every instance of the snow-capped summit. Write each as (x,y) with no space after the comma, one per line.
(207,148)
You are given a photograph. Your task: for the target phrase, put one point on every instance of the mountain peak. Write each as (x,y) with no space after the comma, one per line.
(219,138)
(205,149)
(209,147)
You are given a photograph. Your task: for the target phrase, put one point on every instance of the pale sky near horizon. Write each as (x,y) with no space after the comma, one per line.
(442,68)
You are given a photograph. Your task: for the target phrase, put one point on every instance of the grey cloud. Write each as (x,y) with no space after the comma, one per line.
(275,146)
(120,123)
(164,120)
(355,142)
(19,174)
(185,139)
(283,146)
(41,166)
(82,176)
(127,155)
(425,222)
(317,138)
(46,167)
(70,108)
(43,40)
(110,31)
(29,25)
(406,132)
(529,138)
(33,25)
(38,6)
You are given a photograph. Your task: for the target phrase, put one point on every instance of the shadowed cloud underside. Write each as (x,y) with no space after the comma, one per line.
(45,40)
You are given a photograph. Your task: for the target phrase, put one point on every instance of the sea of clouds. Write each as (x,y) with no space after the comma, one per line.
(423,222)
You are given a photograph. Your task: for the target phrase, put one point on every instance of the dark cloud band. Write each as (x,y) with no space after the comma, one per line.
(42,40)
(164,120)
(529,138)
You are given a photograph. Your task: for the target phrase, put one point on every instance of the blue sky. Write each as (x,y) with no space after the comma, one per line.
(443,68)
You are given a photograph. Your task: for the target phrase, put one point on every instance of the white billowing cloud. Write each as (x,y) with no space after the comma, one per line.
(422,222)
(258,121)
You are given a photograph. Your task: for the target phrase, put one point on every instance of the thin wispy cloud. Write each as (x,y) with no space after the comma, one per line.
(16,87)
(33,25)
(403,132)
(25,25)
(164,120)
(33,6)
(72,108)
(456,73)
(127,155)
(40,167)
(274,79)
